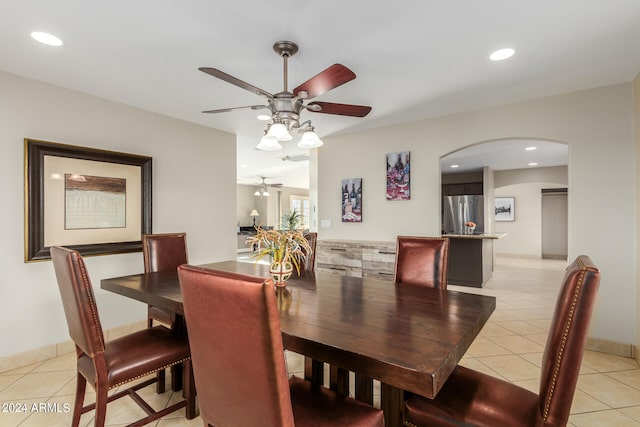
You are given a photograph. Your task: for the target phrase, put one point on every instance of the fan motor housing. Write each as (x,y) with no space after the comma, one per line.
(285,48)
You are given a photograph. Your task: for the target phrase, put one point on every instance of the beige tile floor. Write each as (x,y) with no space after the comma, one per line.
(510,346)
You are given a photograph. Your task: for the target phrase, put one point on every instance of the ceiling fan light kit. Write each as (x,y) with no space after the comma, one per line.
(286,106)
(268,143)
(279,132)
(263,188)
(310,140)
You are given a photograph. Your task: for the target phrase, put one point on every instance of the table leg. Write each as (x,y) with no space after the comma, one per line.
(391,401)
(160,385)
(364,389)
(176,377)
(313,371)
(190,390)
(178,327)
(339,380)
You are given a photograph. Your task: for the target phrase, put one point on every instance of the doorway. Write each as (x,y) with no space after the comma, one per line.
(555,223)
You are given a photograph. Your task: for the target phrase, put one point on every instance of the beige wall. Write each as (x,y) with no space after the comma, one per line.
(183,199)
(636,123)
(246,202)
(597,125)
(524,235)
(266,206)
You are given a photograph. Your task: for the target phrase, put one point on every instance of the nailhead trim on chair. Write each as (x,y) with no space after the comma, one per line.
(150,372)
(556,368)
(92,303)
(565,333)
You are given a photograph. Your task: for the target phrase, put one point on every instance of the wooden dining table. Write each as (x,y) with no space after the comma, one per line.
(410,338)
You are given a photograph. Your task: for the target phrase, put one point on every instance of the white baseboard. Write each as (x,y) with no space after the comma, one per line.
(29,357)
(611,347)
(521,256)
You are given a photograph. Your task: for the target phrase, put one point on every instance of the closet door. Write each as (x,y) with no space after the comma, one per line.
(555,227)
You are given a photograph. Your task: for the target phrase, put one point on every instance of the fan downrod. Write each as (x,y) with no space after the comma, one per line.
(285,48)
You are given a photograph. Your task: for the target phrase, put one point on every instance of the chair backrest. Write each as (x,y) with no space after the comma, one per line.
(566,340)
(164,252)
(422,261)
(78,300)
(236,348)
(312,238)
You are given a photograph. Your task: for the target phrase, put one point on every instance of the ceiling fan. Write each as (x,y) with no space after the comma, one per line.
(294,158)
(263,188)
(286,106)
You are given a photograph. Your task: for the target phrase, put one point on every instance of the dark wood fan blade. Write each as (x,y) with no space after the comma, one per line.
(226,110)
(323,82)
(234,81)
(339,109)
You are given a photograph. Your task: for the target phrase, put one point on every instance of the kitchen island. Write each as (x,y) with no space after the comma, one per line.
(471,258)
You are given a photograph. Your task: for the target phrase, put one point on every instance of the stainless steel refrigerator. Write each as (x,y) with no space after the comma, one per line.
(457,210)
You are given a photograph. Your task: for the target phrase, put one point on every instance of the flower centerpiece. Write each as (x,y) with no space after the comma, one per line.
(287,248)
(470,227)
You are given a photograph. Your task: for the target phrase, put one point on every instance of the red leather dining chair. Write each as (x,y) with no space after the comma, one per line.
(312,238)
(164,252)
(472,398)
(106,365)
(239,362)
(422,261)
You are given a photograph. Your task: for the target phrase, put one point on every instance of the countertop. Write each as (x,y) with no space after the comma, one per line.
(476,236)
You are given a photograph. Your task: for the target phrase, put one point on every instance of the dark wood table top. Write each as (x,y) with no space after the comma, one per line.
(408,337)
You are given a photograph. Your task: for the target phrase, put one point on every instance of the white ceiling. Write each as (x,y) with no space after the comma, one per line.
(506,154)
(413,59)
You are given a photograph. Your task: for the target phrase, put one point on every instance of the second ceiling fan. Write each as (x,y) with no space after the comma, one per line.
(286,106)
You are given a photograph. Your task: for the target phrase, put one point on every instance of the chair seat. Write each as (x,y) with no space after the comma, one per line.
(138,354)
(476,399)
(329,408)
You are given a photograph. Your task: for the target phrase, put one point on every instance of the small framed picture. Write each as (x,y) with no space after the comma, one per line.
(398,176)
(352,200)
(505,209)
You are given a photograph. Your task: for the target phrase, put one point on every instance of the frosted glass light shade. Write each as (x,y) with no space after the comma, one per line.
(309,140)
(279,132)
(268,143)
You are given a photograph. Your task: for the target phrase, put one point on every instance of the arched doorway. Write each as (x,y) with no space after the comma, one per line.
(516,169)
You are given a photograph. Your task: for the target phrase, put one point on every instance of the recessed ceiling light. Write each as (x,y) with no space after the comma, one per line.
(46,38)
(531,148)
(502,54)
(454,166)
(533,164)
(264,117)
